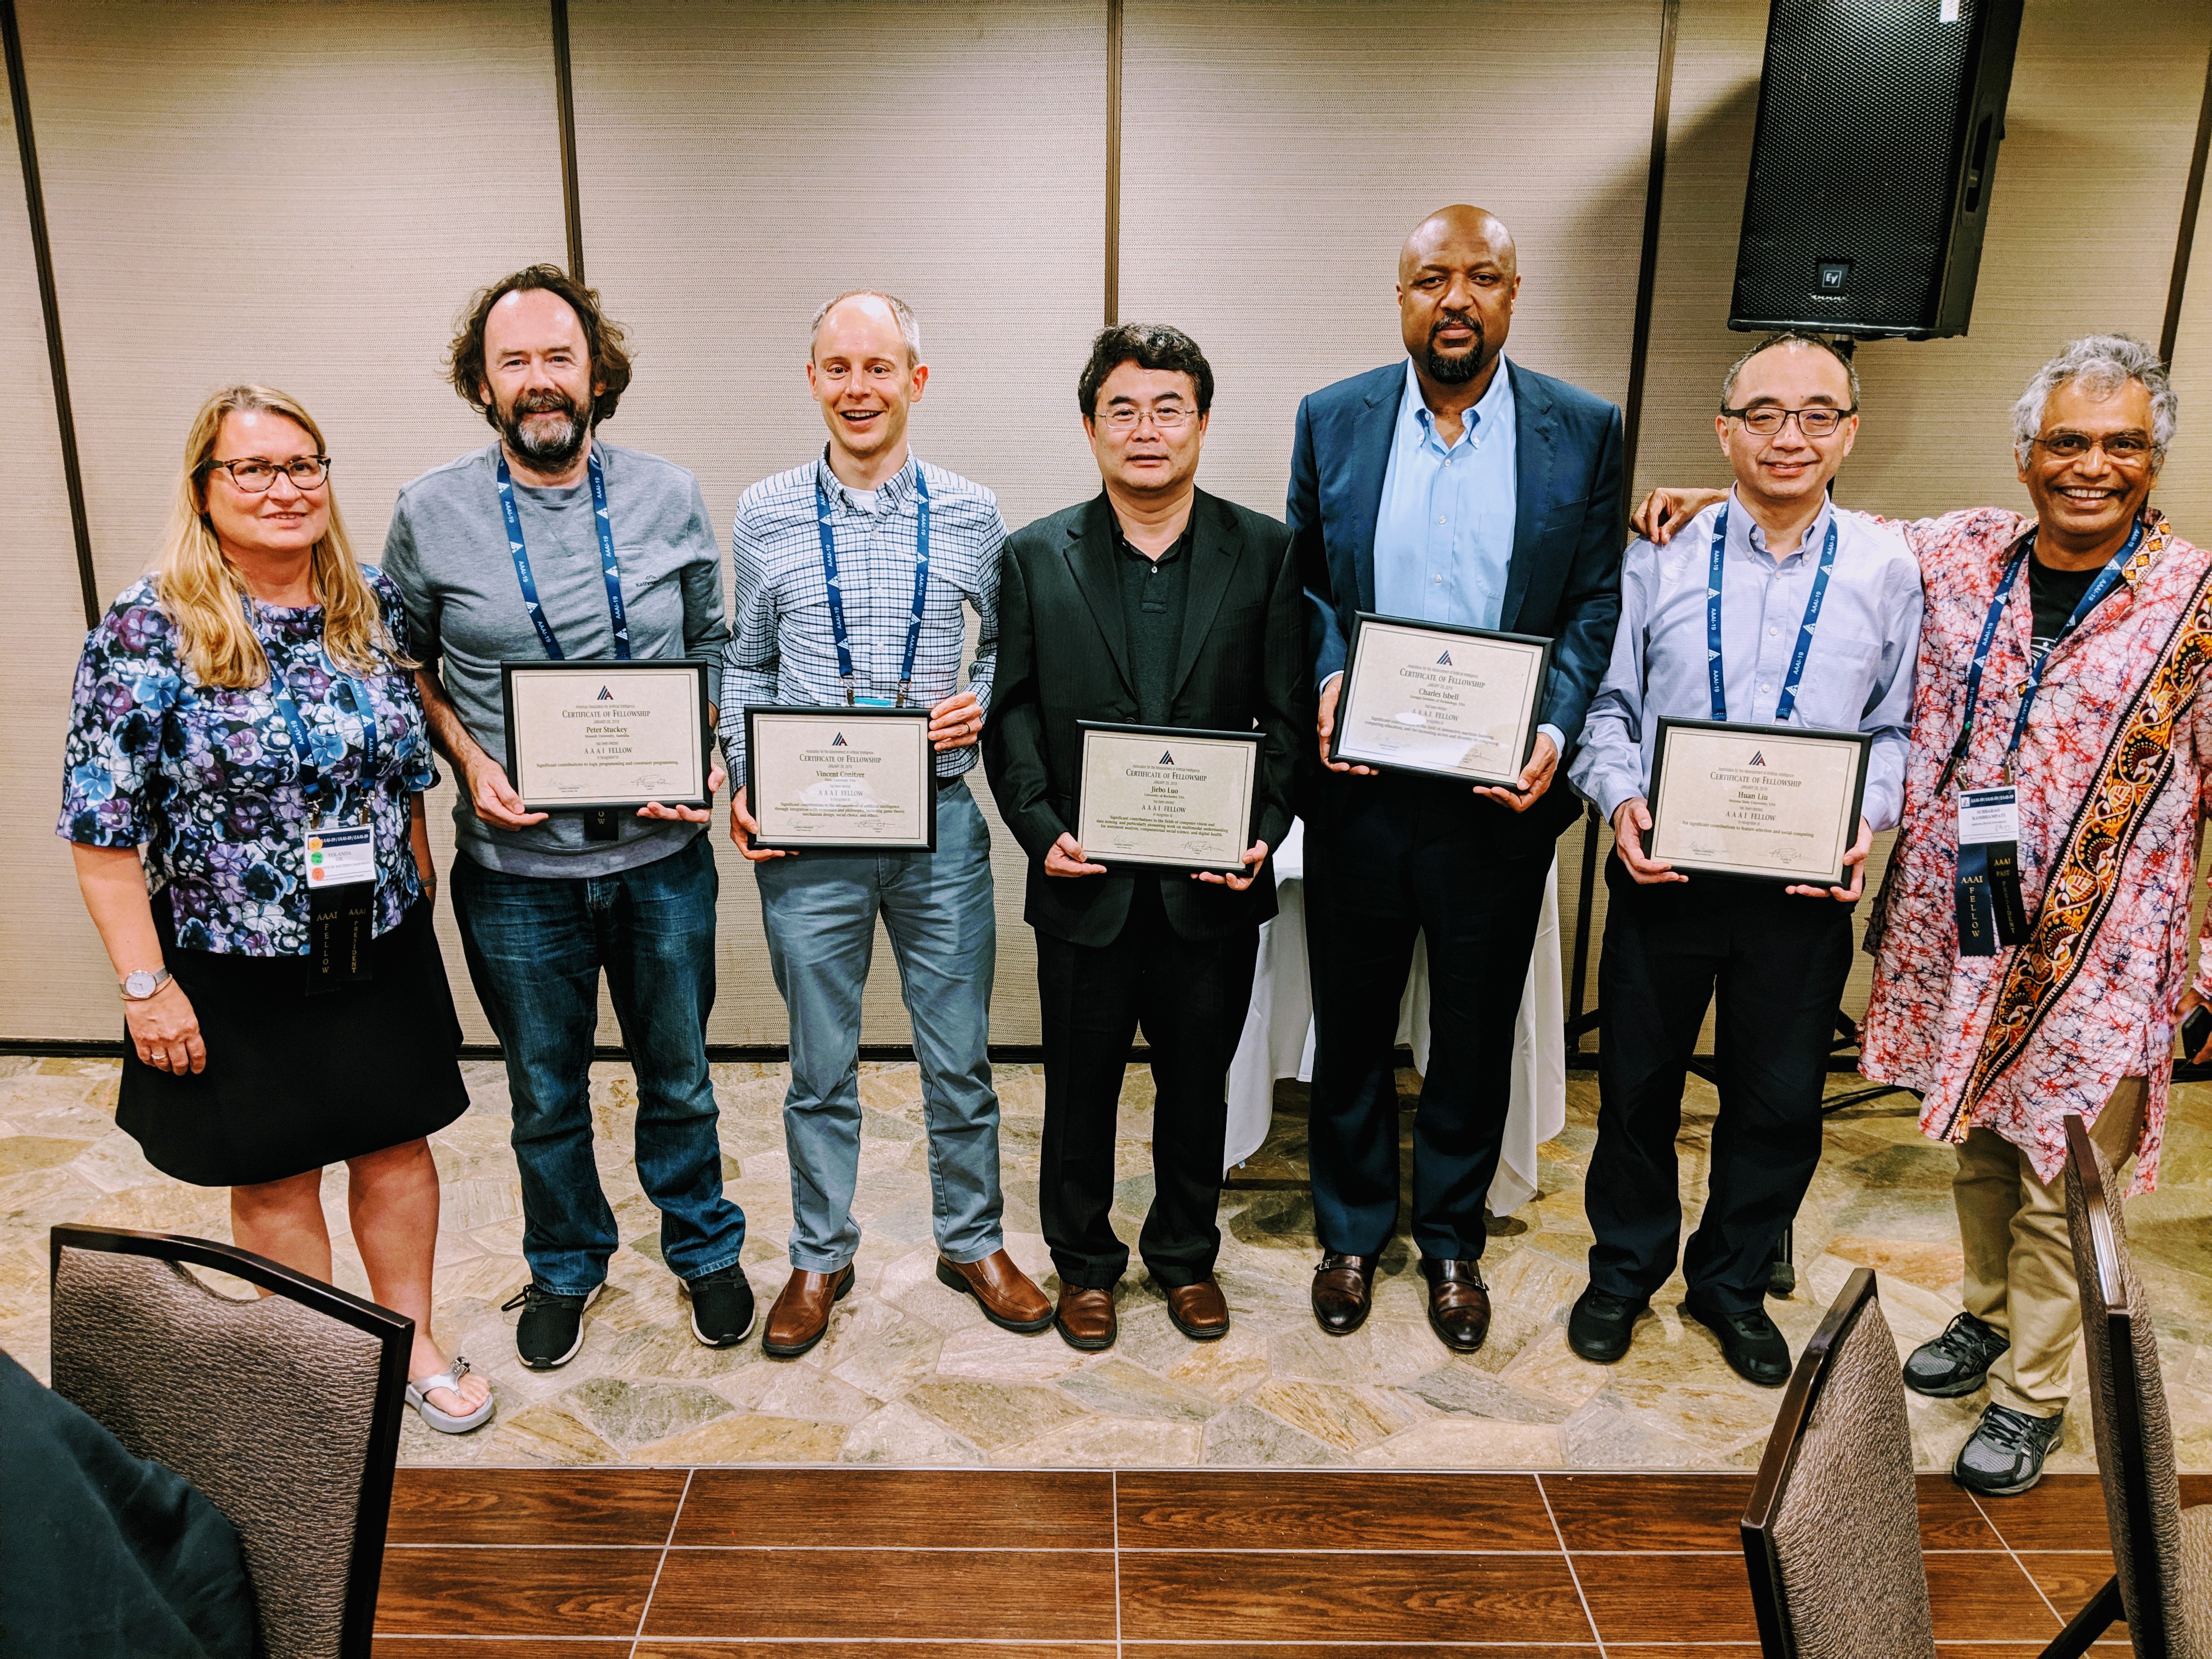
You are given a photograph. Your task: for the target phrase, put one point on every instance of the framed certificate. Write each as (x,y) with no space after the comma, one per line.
(1780,803)
(1173,798)
(841,779)
(1454,703)
(608,736)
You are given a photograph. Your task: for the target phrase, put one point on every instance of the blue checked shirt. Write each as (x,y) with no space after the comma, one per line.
(782,649)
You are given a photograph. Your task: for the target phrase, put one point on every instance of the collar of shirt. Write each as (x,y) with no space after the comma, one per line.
(1128,549)
(1748,540)
(1492,413)
(890,495)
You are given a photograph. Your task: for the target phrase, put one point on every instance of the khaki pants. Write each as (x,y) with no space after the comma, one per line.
(2020,1263)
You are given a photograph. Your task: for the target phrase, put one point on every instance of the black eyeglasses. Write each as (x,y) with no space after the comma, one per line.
(1818,422)
(2122,448)
(257,476)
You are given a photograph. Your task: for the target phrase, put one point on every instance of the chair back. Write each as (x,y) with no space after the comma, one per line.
(1831,1535)
(284,1410)
(2127,1395)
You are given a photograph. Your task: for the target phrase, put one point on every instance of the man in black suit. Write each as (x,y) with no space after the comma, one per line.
(1451,487)
(1152,603)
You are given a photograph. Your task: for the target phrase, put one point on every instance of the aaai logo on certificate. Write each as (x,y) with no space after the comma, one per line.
(1758,758)
(1445,660)
(605,695)
(838,742)
(1166,759)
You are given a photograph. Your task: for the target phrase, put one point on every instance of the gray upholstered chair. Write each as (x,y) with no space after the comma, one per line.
(2163,1587)
(284,1409)
(1831,1535)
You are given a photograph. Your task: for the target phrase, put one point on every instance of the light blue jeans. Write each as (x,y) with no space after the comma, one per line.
(819,910)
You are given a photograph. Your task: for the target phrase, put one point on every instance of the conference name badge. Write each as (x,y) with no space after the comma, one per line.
(338,857)
(1986,891)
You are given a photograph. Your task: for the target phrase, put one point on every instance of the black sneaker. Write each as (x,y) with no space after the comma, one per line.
(721,1307)
(552,1328)
(1958,1362)
(1599,1328)
(1750,1342)
(2004,1456)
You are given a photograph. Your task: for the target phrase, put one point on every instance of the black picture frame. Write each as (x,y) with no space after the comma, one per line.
(1840,877)
(1167,734)
(1542,645)
(832,714)
(598,811)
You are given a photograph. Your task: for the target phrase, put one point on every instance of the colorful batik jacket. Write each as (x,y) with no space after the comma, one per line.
(2112,781)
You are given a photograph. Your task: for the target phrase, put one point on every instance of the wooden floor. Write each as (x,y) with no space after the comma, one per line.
(833,1563)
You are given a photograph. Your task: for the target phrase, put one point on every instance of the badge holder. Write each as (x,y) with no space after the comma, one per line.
(341,866)
(1990,913)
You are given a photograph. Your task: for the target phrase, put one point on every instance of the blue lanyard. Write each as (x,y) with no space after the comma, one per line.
(609,566)
(837,594)
(350,691)
(2107,579)
(1788,705)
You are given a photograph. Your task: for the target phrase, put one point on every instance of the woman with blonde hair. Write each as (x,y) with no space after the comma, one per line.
(247,714)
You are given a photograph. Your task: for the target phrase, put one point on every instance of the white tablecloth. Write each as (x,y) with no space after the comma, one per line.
(1279,1040)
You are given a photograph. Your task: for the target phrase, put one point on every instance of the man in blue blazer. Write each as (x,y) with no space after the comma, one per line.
(1454,486)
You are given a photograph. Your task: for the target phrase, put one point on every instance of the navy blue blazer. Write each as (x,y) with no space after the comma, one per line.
(1564,580)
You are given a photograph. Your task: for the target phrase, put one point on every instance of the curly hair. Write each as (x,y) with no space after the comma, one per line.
(2103,363)
(604,340)
(1148,345)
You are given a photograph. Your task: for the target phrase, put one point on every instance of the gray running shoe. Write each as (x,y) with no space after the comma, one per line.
(2004,1456)
(1958,1362)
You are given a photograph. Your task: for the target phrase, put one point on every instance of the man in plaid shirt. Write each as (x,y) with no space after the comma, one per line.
(871,501)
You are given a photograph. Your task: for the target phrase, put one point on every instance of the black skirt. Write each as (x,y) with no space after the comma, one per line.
(294,1082)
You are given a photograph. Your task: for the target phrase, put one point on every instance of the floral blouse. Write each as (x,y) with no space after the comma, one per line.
(207,781)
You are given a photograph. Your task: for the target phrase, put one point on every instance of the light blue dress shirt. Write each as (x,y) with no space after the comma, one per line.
(1858,675)
(1443,535)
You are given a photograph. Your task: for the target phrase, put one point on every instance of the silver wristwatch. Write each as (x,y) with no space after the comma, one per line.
(143,984)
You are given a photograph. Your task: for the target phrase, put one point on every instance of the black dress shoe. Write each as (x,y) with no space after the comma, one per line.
(1750,1342)
(1601,1325)
(1958,1362)
(1343,1292)
(1459,1303)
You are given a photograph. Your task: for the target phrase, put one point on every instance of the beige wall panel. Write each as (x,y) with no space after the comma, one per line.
(1275,155)
(740,164)
(2186,492)
(298,194)
(54,978)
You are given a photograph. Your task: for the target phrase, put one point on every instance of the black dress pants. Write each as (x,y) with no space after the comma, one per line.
(1778,963)
(1191,996)
(1389,859)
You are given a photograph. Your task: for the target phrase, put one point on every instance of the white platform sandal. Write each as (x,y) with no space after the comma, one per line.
(446,1422)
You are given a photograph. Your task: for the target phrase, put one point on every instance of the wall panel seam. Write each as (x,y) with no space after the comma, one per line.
(2186,239)
(564,93)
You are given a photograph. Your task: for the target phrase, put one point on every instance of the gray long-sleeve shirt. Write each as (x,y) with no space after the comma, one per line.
(447,552)
(1858,675)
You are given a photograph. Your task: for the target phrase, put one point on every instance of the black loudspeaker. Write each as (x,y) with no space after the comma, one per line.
(1879,122)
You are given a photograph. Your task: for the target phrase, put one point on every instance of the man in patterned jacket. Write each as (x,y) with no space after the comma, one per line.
(2036,964)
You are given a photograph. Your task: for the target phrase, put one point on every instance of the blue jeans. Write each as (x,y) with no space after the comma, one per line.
(536,945)
(820,911)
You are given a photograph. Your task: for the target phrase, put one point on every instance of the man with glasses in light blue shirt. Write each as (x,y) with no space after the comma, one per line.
(1788,564)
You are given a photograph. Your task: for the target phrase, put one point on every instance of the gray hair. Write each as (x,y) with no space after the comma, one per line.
(909,331)
(1841,353)
(2103,363)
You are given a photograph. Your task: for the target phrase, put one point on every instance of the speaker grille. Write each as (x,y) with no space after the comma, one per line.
(1862,114)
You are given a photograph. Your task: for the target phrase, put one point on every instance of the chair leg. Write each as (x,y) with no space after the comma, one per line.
(2105,1610)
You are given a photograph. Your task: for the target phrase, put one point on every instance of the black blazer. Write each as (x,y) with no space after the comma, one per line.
(1063,657)
(1564,580)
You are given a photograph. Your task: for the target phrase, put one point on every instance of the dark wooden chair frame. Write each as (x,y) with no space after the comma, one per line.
(1780,1462)
(395,1334)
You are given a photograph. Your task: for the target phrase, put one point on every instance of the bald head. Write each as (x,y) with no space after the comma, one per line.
(1458,275)
(1462,227)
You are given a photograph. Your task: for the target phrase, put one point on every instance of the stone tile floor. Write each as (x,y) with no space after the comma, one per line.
(912,1374)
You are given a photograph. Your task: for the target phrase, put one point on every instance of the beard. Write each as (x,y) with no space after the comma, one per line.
(1455,371)
(548,450)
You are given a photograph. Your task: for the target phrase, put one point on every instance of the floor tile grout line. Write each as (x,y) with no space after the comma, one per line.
(2035,1585)
(661,1565)
(1588,1617)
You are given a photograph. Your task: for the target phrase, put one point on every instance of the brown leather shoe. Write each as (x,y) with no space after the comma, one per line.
(1085,1318)
(1343,1292)
(800,1317)
(1009,1298)
(1200,1311)
(1459,1303)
